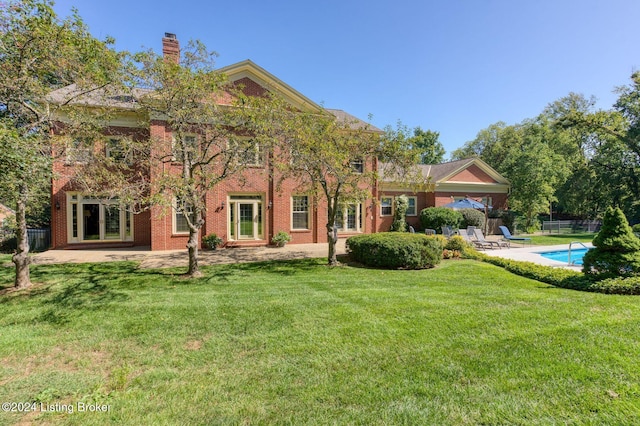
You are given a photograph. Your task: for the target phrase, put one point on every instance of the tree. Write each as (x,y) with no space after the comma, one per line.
(40,53)
(334,159)
(616,249)
(212,136)
(429,148)
(423,143)
(399,223)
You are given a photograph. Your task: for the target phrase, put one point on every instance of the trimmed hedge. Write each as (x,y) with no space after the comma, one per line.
(560,277)
(472,217)
(436,217)
(394,250)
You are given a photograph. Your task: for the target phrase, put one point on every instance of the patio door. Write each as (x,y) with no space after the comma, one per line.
(245,217)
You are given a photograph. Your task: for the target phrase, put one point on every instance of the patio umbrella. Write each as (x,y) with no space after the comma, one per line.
(466,203)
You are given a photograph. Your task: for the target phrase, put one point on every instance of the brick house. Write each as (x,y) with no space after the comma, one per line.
(447,182)
(249,210)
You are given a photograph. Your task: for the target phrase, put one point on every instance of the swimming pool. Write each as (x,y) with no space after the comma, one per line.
(563,255)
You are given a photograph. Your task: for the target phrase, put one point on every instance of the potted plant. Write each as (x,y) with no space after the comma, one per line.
(281,238)
(212,241)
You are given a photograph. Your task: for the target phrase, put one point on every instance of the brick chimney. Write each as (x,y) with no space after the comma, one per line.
(171,48)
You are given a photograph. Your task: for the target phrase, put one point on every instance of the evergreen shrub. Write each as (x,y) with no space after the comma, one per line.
(394,250)
(436,217)
(616,251)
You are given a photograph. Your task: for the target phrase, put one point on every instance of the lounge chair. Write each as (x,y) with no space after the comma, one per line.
(411,229)
(447,231)
(477,233)
(429,231)
(506,234)
(476,243)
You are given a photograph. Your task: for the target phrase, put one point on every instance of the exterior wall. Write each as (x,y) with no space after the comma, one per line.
(422,202)
(62,184)
(472,173)
(499,200)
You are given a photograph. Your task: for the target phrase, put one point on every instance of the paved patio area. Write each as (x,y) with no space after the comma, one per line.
(179,258)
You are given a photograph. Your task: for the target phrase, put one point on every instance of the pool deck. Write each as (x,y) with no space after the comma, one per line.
(530,254)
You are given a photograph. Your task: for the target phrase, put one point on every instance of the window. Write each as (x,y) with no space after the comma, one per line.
(411,207)
(349,218)
(188,147)
(181,211)
(386,206)
(115,150)
(247,151)
(79,150)
(358,165)
(300,212)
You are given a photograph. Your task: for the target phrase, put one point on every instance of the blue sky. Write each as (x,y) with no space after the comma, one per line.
(452,66)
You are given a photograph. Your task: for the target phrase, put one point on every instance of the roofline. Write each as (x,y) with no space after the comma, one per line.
(248,67)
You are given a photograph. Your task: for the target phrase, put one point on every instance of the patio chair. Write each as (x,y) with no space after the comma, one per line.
(429,231)
(447,231)
(411,229)
(480,237)
(506,234)
(476,243)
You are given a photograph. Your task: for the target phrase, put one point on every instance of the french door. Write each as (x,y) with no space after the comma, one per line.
(245,217)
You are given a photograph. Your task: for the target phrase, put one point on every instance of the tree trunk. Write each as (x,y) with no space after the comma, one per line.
(21,257)
(332,239)
(192,246)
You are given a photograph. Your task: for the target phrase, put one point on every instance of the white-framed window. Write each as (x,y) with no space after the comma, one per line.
(487,201)
(349,218)
(300,212)
(189,146)
(386,206)
(248,151)
(115,150)
(94,219)
(358,165)
(412,206)
(79,150)
(180,212)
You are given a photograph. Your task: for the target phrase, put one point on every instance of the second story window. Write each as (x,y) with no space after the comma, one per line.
(358,165)
(248,152)
(115,150)
(79,150)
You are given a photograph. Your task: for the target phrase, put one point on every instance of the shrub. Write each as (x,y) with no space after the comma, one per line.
(401,205)
(472,217)
(395,250)
(560,277)
(636,228)
(456,243)
(436,217)
(281,238)
(212,241)
(616,250)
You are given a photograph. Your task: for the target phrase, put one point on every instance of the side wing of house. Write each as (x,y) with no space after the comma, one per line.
(448,182)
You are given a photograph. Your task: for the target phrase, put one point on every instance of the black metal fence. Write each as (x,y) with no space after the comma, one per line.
(39,239)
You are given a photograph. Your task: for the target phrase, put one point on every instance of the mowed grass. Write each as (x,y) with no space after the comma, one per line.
(300,343)
(553,239)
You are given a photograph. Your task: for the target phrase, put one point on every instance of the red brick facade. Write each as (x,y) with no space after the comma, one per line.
(80,221)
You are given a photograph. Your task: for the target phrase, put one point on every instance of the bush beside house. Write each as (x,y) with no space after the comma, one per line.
(395,250)
(436,217)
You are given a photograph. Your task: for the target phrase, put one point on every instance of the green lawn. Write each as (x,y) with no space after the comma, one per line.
(299,343)
(552,239)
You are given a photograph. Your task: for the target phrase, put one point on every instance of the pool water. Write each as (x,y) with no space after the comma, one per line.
(563,255)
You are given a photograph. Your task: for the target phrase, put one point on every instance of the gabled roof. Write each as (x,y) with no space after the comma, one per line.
(249,69)
(354,121)
(441,174)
